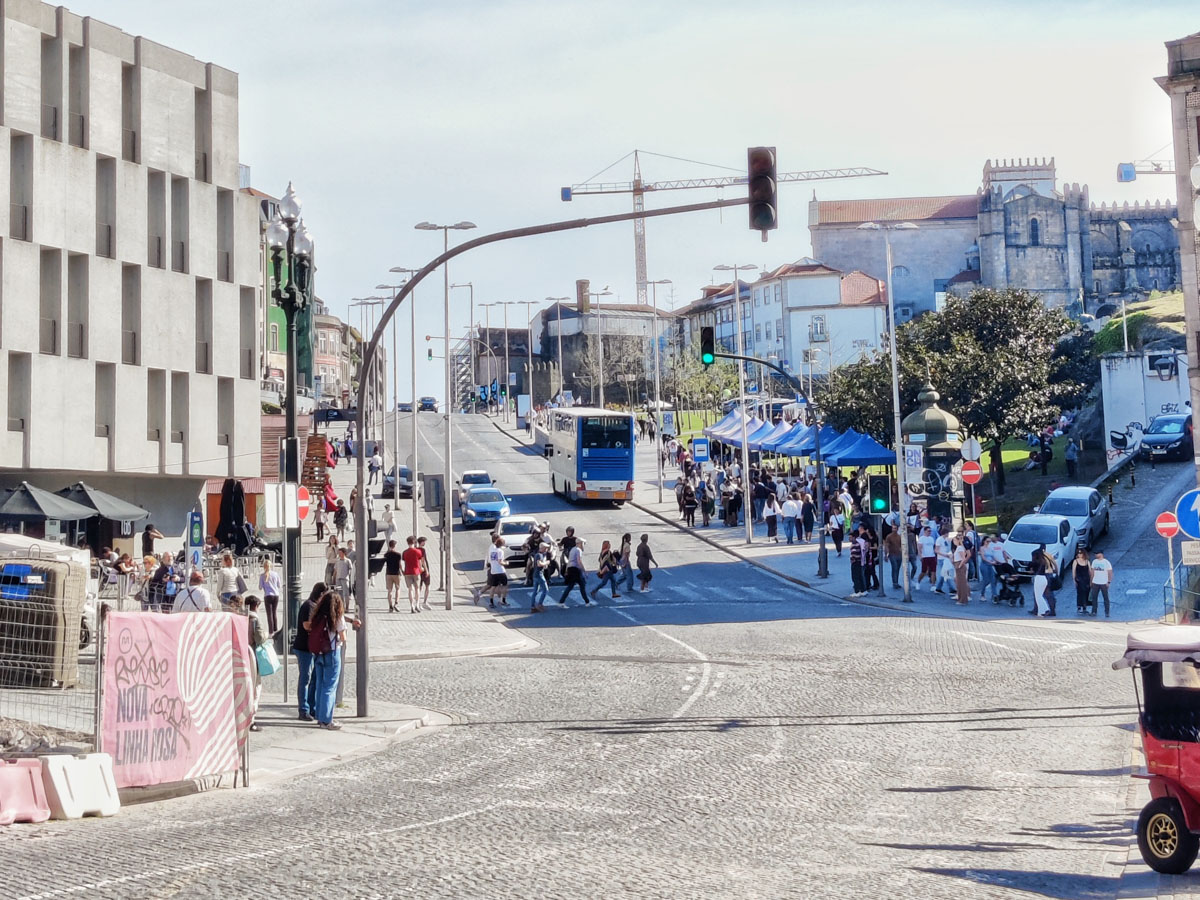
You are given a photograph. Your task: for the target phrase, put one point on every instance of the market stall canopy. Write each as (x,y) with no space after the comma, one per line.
(105,505)
(796,432)
(866,451)
(1161,643)
(735,439)
(735,427)
(759,440)
(33,504)
(730,417)
(806,444)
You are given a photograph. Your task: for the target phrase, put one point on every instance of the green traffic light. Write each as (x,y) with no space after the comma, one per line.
(707,358)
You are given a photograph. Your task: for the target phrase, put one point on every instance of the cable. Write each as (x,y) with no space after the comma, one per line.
(606,168)
(693,161)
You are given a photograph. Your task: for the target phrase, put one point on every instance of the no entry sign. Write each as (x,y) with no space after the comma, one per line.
(302,502)
(971,472)
(1167,524)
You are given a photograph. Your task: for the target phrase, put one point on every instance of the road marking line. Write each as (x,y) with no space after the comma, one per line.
(705,667)
(1015,637)
(1135,591)
(996,644)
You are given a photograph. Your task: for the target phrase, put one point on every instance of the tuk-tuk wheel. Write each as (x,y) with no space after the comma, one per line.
(1163,837)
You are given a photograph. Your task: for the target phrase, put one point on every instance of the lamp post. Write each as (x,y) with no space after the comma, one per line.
(657,390)
(291,250)
(600,336)
(395,410)
(412,324)
(470,330)
(898,437)
(372,377)
(561,371)
(528,345)
(748,508)
(448,474)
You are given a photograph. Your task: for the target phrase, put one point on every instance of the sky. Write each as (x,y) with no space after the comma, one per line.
(386,113)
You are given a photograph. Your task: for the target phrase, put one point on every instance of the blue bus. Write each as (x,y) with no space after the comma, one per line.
(591,453)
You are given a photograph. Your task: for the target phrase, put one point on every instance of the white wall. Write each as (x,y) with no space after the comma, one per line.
(1134,394)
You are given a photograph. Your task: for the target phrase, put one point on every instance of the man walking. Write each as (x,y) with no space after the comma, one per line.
(497,584)
(927,544)
(393,560)
(944,548)
(791,511)
(576,575)
(412,573)
(858,553)
(1102,579)
(374,464)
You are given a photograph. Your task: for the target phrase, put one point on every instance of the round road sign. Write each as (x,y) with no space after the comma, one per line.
(1167,525)
(302,502)
(971,450)
(971,472)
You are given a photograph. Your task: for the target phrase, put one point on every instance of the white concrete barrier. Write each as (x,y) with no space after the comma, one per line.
(78,786)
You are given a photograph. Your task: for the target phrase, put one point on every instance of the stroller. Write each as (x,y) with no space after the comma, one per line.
(1010,586)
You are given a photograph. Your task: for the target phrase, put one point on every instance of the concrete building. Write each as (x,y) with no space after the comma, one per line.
(1182,85)
(128,299)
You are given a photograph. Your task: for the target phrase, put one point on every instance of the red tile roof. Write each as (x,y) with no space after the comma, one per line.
(796,268)
(860,289)
(967,276)
(897,209)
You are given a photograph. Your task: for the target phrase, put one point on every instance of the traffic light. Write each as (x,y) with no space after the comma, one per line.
(879,494)
(763,189)
(430,354)
(504,391)
(707,346)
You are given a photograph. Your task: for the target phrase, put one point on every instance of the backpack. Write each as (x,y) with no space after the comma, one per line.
(318,636)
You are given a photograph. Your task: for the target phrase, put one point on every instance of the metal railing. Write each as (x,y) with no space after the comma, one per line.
(178,256)
(129,145)
(18,221)
(48,336)
(104,240)
(75,129)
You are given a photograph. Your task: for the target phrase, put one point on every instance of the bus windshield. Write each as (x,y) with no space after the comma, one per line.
(605,432)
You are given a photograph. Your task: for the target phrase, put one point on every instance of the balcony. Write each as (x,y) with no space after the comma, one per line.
(16,423)
(129,142)
(105,245)
(102,430)
(154,252)
(76,340)
(18,222)
(129,350)
(178,256)
(50,122)
(204,357)
(48,336)
(75,129)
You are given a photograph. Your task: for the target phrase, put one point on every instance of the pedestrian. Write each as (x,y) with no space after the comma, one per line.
(689,505)
(1042,565)
(971,542)
(229,580)
(340,515)
(393,562)
(959,559)
(858,551)
(1081,575)
(808,518)
(306,683)
(374,464)
(271,586)
(607,569)
(541,589)
(258,636)
(944,549)
(1071,455)
(645,556)
(1102,579)
(625,561)
(164,584)
(194,597)
(331,555)
(149,535)
(771,516)
(987,570)
(319,519)
(342,569)
(411,562)
(326,629)
(389,522)
(837,522)
(353,505)
(497,577)
(891,551)
(679,492)
(575,575)
(565,545)
(704,497)
(927,544)
(791,512)
(426,578)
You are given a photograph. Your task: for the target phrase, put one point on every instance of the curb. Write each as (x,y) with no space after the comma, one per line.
(523,644)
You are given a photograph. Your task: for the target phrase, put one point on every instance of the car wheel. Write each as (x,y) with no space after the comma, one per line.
(1163,837)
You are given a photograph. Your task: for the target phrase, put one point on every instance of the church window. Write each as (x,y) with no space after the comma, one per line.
(1035,236)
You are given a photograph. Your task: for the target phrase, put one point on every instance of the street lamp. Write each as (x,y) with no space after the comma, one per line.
(741,351)
(600,336)
(901,493)
(506,365)
(291,250)
(448,475)
(372,377)
(412,324)
(657,392)
(395,410)
(561,371)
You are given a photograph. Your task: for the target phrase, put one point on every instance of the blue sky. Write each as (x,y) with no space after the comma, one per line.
(389,113)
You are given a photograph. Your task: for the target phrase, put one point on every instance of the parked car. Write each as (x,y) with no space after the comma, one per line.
(515,531)
(484,505)
(1167,436)
(1038,528)
(427,404)
(406,483)
(405,406)
(472,478)
(1084,506)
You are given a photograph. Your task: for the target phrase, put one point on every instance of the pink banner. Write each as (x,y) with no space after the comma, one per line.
(177,695)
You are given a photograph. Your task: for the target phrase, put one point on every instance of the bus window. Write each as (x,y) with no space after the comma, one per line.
(606,433)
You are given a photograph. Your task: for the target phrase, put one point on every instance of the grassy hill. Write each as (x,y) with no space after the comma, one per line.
(1157,318)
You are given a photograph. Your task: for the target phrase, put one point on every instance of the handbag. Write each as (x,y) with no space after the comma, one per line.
(267,658)
(1054,581)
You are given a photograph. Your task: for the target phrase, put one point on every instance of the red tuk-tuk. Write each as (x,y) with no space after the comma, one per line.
(1168,829)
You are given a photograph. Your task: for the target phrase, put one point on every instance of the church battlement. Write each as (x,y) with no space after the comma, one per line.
(1005,174)
(1112,212)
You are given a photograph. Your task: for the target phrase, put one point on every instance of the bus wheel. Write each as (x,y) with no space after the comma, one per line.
(553,486)
(617,504)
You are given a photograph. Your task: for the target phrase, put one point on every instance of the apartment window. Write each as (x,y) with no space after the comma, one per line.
(179,224)
(51,87)
(106,207)
(50,301)
(273,346)
(179,407)
(1035,233)
(20,187)
(941,285)
(225,235)
(77,305)
(203,134)
(248,333)
(131,113)
(156,404)
(131,315)
(779,293)
(106,399)
(779,328)
(816,329)
(225,408)
(156,219)
(77,94)
(20,390)
(204,326)
(758,333)
(768,333)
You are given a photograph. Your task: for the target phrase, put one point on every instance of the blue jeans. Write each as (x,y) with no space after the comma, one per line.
(306,683)
(987,578)
(789,528)
(895,561)
(944,569)
(540,588)
(627,574)
(611,580)
(328,667)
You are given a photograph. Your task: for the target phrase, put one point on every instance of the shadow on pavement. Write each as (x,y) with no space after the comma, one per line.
(1046,884)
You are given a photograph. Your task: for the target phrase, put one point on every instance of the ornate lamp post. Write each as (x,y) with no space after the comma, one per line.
(292,268)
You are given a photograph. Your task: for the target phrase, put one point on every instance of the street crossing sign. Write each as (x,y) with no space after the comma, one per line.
(700,450)
(1187,511)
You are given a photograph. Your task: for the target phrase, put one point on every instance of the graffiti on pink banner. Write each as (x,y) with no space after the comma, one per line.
(177,695)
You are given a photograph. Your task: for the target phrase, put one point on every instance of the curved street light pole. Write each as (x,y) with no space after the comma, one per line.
(747,490)
(657,388)
(412,393)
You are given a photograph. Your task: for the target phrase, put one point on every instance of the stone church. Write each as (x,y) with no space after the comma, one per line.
(1018,230)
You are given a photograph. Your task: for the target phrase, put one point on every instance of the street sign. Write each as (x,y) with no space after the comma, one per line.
(1191,553)
(1167,524)
(302,502)
(971,472)
(195,537)
(700,450)
(1187,511)
(971,450)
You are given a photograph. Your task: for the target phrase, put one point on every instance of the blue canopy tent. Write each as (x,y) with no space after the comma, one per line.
(866,451)
(730,428)
(841,442)
(754,438)
(804,444)
(735,439)
(730,417)
(772,441)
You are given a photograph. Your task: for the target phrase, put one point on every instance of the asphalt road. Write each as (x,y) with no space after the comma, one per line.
(727,735)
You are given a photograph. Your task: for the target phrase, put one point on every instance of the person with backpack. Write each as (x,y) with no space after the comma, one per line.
(575,575)
(608,570)
(326,629)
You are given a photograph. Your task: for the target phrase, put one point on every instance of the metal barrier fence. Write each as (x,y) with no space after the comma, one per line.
(1181,595)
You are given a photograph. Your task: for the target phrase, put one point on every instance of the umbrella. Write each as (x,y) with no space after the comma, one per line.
(105,505)
(32,504)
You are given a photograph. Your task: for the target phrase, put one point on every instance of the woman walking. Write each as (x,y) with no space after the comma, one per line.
(960,558)
(1081,574)
(836,523)
(644,557)
(271,586)
(331,556)
(689,505)
(319,520)
(229,580)
(625,561)
(1042,565)
(771,514)
(607,569)
(808,518)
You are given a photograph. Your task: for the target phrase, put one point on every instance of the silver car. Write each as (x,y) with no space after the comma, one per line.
(1084,507)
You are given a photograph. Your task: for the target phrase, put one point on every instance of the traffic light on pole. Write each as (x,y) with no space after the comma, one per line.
(430,354)
(761,181)
(708,346)
(879,493)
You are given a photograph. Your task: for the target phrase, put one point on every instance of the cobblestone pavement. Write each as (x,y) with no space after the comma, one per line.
(727,735)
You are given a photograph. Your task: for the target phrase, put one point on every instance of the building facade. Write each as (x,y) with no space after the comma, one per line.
(129,318)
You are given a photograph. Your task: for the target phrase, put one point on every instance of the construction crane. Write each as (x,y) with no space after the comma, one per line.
(1131,170)
(640,188)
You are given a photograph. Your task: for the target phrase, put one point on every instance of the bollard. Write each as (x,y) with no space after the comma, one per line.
(1111,501)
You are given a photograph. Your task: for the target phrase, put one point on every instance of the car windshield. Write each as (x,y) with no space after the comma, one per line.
(1031,533)
(516,528)
(1065,506)
(476,478)
(1165,426)
(486,497)
(606,432)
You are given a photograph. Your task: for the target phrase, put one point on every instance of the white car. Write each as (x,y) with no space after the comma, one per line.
(1036,529)
(472,478)
(515,531)
(1084,506)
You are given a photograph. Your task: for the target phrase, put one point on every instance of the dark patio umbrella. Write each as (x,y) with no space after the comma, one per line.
(32,504)
(104,504)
